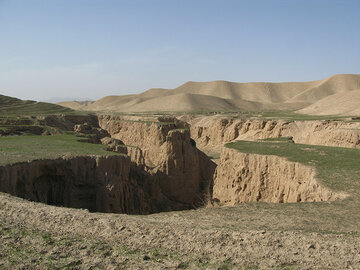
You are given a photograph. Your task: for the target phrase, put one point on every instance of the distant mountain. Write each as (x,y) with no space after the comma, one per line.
(60,99)
(227,96)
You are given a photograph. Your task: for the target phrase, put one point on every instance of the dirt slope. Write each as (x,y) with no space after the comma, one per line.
(224,95)
(75,105)
(347,103)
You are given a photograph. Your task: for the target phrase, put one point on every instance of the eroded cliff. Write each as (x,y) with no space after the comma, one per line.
(167,152)
(242,177)
(212,132)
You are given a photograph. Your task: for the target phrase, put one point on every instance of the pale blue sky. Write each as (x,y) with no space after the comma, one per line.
(94,48)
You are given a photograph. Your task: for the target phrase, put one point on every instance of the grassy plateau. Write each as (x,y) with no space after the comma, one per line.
(15,149)
(337,167)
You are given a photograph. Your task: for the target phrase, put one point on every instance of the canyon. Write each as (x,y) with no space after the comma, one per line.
(173,192)
(161,166)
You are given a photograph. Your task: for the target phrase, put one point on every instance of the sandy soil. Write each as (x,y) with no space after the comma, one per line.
(35,235)
(346,103)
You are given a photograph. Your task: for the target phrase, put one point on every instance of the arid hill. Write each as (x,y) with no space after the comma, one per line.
(340,103)
(230,96)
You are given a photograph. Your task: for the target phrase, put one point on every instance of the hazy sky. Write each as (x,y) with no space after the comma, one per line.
(94,48)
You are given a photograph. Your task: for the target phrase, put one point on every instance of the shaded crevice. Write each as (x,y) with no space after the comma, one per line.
(99,184)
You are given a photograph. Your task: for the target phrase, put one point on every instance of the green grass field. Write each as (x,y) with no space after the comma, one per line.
(23,148)
(13,107)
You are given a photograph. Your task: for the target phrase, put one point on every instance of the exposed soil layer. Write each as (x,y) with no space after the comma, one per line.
(165,149)
(242,177)
(97,183)
(212,132)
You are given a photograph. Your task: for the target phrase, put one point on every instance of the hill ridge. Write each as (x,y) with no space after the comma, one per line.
(237,95)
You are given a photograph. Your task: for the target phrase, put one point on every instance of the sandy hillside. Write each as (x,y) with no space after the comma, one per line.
(224,95)
(75,105)
(347,103)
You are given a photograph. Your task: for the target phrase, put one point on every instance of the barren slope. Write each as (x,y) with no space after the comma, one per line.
(347,103)
(224,95)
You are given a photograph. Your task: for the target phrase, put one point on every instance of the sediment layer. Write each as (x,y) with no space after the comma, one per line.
(242,177)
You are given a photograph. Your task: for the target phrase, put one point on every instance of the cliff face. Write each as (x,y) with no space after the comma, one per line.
(99,184)
(167,153)
(242,177)
(329,133)
(211,133)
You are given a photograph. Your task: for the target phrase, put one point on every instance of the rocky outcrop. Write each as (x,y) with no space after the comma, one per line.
(242,177)
(93,134)
(212,132)
(166,151)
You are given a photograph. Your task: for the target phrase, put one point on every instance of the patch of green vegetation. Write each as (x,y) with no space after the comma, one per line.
(292,116)
(268,115)
(23,148)
(12,107)
(280,139)
(331,163)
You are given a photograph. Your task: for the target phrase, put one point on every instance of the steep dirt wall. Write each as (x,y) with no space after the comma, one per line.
(242,177)
(148,136)
(210,133)
(98,183)
(166,151)
(329,133)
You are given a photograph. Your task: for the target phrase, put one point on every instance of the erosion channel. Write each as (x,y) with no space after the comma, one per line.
(159,168)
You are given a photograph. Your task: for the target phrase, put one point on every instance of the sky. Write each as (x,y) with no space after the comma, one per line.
(88,49)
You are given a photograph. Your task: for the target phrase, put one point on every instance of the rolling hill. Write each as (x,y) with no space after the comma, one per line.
(347,103)
(228,96)
(10,107)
